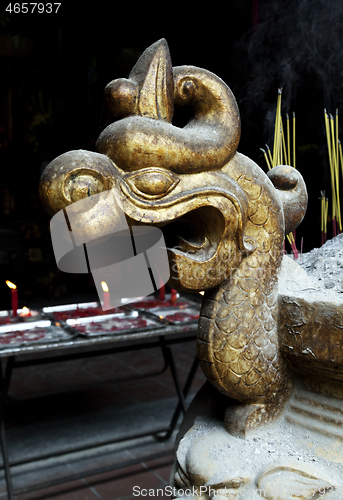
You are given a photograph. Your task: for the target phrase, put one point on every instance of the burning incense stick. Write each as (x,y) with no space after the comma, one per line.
(266,158)
(270,156)
(326,118)
(277,127)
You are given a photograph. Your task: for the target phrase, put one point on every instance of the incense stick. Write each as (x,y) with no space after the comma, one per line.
(293,246)
(332,130)
(270,156)
(294,159)
(277,127)
(266,158)
(288,141)
(339,219)
(330,144)
(282,151)
(284,144)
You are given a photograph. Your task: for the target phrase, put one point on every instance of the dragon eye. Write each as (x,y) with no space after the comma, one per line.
(152,182)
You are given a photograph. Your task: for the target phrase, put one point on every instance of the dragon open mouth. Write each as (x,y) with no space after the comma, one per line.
(196,234)
(202,228)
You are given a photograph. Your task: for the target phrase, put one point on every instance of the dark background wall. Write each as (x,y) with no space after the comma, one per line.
(54,68)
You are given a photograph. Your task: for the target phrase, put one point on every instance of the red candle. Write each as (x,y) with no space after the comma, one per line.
(162,291)
(25,312)
(106,296)
(28,315)
(173,296)
(14,297)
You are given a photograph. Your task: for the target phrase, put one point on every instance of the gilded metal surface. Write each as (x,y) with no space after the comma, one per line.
(222,217)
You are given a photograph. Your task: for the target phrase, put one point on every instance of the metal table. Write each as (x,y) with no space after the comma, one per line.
(163,335)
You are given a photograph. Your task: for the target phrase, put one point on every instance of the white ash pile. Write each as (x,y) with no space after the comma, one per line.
(326,264)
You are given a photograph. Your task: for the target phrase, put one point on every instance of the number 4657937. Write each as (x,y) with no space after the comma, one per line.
(30,8)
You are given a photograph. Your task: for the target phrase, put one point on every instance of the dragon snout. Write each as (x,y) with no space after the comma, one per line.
(73,176)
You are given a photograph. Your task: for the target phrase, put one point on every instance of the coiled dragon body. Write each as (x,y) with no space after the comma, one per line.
(223,218)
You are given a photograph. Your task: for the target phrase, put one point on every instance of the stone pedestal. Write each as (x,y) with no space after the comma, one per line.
(300,455)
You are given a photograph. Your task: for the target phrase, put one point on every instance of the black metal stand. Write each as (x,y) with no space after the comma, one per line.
(180,406)
(162,434)
(5,382)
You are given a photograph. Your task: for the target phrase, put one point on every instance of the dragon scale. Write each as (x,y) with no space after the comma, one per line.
(237,342)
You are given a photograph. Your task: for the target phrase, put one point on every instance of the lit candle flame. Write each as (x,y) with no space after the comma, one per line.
(104,286)
(202,293)
(25,310)
(11,285)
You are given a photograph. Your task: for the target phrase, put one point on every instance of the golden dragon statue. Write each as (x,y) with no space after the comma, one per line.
(224,219)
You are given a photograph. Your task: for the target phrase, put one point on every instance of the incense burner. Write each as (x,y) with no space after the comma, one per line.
(224,222)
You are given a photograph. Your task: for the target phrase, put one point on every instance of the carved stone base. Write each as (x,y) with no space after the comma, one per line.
(300,454)
(298,457)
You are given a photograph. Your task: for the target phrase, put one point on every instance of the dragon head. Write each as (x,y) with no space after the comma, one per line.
(182,180)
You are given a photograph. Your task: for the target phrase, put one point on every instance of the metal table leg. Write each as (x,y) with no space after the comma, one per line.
(169,357)
(179,407)
(5,382)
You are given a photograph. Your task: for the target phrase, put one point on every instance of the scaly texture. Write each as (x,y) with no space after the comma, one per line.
(237,342)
